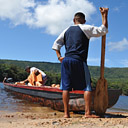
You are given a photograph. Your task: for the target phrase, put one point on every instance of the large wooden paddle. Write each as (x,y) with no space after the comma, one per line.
(101,92)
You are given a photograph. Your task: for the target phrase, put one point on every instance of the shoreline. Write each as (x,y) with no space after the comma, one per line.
(54,119)
(23,114)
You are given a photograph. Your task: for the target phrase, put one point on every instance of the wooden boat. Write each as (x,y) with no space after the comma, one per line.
(52,96)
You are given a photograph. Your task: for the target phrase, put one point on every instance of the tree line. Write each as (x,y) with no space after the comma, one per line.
(117,78)
(19,74)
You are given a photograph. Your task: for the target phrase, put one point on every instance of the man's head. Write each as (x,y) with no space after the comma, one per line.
(27,69)
(79,18)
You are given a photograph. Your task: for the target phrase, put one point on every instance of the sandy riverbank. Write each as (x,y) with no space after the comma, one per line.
(55,120)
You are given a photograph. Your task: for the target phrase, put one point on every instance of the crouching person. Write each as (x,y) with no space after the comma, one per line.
(36,76)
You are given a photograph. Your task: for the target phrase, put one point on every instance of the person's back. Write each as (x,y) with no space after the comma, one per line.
(76,43)
(32,69)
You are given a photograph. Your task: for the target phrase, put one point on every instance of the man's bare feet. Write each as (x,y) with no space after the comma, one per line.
(91,116)
(66,116)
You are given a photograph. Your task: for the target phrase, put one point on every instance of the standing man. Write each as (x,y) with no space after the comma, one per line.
(74,70)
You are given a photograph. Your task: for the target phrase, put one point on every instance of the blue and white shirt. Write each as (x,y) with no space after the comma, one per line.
(76,40)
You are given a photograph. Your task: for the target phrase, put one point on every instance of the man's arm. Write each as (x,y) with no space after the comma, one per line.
(93,31)
(60,58)
(104,13)
(24,81)
(59,42)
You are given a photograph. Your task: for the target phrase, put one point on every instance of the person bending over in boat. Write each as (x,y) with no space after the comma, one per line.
(36,77)
(74,69)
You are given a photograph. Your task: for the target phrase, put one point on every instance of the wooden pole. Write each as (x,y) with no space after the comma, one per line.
(101,92)
(102,57)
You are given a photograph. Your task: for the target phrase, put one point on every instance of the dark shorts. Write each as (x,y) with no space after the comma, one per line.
(75,75)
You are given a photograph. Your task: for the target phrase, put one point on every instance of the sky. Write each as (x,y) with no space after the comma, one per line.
(28,29)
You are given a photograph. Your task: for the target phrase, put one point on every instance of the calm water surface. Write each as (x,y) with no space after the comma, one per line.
(11,103)
(121,105)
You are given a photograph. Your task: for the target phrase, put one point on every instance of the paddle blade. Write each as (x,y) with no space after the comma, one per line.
(101,97)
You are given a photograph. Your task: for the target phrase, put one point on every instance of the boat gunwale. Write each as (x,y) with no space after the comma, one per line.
(43,88)
(53,89)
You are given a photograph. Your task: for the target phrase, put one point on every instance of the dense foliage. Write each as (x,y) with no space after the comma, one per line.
(12,71)
(19,74)
(117,78)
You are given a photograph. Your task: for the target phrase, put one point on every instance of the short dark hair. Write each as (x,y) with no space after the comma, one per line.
(27,67)
(79,15)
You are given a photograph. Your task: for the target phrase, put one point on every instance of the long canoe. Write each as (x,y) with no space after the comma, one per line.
(52,96)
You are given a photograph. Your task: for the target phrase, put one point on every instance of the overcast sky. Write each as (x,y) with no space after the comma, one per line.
(28,29)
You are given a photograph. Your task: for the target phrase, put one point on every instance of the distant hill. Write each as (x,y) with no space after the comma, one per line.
(110,73)
(45,66)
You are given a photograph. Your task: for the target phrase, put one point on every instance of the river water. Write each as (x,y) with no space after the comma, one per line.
(11,103)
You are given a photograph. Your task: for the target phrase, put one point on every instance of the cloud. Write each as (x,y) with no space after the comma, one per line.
(94,60)
(52,15)
(93,39)
(116,9)
(120,7)
(17,11)
(97,61)
(125,63)
(118,46)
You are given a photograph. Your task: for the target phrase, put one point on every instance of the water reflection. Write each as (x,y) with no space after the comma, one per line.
(11,103)
(121,105)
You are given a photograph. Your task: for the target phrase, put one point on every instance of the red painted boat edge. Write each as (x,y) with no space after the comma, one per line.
(42,88)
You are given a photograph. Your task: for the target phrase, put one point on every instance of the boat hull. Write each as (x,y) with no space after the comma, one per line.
(52,97)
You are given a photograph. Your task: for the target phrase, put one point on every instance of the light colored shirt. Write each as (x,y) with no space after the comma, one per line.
(89,31)
(34,68)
